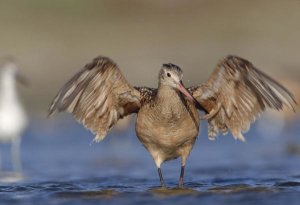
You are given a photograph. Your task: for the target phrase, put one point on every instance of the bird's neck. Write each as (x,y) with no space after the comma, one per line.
(167,95)
(169,104)
(8,88)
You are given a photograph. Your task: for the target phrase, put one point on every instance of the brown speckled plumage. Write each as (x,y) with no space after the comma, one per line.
(147,94)
(167,118)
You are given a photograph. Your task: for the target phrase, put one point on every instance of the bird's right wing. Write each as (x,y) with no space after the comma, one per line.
(98,96)
(236,94)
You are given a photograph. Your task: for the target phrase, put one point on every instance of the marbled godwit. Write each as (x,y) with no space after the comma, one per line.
(13,119)
(167,121)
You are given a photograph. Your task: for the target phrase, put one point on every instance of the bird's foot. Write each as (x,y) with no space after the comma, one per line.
(163,186)
(180,184)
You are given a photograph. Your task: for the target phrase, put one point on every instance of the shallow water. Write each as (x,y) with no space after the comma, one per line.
(61,166)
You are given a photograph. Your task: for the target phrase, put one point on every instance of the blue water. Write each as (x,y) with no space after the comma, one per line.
(62,166)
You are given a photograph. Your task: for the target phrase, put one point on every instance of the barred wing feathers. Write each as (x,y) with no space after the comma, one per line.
(236,94)
(97,96)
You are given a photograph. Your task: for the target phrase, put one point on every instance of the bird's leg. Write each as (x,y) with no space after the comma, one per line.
(15,154)
(162,183)
(180,183)
(183,161)
(0,162)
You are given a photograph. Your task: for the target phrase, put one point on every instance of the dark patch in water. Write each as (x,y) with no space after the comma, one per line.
(293,149)
(287,184)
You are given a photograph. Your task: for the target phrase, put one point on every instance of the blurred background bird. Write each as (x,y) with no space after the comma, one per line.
(13,119)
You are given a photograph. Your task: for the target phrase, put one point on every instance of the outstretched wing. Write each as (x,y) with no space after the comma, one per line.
(97,96)
(236,94)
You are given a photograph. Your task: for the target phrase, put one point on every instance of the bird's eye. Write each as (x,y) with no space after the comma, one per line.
(168,74)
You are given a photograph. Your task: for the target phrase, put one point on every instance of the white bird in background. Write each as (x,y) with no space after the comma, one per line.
(13,119)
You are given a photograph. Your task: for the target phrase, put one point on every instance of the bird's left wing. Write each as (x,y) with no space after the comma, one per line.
(236,94)
(97,96)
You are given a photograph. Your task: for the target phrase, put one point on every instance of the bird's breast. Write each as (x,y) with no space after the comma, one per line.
(12,121)
(168,126)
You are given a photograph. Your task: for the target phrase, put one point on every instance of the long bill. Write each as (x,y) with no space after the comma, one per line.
(184,91)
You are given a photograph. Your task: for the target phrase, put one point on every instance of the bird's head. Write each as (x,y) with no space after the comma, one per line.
(10,71)
(171,75)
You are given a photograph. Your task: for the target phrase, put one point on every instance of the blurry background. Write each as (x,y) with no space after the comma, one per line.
(51,40)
